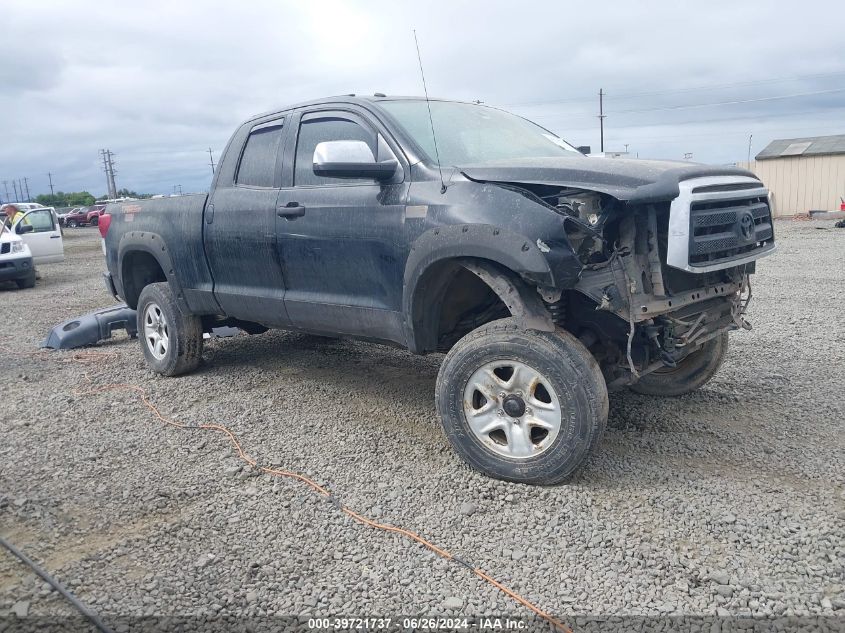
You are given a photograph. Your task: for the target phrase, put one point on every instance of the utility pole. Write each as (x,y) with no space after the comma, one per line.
(626,147)
(50,177)
(6,187)
(28,197)
(687,155)
(211,158)
(111,175)
(601,116)
(750,136)
(108,167)
(15,187)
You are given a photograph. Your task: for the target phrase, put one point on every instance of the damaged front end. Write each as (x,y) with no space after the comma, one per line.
(660,279)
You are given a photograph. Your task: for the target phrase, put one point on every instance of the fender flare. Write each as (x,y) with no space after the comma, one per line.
(499,257)
(154,245)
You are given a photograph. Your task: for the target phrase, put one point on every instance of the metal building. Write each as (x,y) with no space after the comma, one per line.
(802,174)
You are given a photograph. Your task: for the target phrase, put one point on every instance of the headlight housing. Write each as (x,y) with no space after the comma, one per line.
(18,247)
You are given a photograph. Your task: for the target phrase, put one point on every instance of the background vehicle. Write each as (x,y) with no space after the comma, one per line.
(40,231)
(548,277)
(94,213)
(15,259)
(77,217)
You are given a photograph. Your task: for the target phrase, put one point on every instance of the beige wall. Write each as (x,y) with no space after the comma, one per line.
(802,183)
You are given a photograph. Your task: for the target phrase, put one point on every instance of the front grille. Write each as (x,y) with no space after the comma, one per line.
(722,230)
(5,248)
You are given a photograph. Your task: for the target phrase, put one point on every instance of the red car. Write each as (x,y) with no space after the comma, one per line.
(78,217)
(94,214)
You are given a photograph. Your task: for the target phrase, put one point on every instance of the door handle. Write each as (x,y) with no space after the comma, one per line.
(290,210)
(55,237)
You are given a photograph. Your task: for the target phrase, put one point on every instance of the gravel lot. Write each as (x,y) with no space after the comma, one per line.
(727,501)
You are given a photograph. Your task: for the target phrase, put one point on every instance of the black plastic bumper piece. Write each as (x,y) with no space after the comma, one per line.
(92,328)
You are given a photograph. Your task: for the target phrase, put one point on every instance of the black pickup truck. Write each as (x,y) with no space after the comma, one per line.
(548,277)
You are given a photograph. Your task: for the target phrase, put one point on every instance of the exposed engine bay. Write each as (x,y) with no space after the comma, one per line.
(634,311)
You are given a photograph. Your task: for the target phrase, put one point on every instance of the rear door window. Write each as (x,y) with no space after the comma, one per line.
(258,160)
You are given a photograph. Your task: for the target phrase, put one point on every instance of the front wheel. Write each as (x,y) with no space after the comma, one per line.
(171,340)
(72,224)
(522,405)
(692,372)
(27,282)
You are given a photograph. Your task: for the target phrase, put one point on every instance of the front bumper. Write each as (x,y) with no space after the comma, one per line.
(13,269)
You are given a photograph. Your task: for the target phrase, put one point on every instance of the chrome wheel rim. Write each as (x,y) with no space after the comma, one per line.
(156,333)
(512,409)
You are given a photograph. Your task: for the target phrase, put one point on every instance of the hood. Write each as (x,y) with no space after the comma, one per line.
(8,236)
(634,180)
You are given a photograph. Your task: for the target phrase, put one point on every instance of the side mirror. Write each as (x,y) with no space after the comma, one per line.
(350,159)
(584,149)
(24,228)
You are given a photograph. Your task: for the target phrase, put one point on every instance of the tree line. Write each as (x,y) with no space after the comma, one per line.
(81,198)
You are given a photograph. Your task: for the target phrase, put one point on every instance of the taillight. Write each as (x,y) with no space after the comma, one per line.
(103,224)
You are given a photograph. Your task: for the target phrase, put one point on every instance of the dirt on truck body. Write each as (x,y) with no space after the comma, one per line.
(547,277)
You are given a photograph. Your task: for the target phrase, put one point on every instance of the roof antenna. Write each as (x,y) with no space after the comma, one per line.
(430,119)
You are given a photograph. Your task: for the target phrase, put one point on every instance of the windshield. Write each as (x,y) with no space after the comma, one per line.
(468,133)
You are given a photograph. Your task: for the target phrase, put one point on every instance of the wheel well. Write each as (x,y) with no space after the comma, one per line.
(450,300)
(139,269)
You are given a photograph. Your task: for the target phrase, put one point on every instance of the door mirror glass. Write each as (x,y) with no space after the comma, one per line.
(350,159)
(24,228)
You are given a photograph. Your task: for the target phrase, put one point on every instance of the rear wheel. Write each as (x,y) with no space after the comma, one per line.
(692,372)
(95,221)
(522,405)
(171,340)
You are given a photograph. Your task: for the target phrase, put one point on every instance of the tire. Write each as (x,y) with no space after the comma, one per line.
(170,340)
(72,224)
(95,221)
(692,372)
(26,282)
(574,397)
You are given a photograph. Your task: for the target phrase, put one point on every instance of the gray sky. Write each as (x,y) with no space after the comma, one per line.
(160,82)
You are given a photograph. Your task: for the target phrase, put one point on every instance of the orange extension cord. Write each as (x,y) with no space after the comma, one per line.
(90,357)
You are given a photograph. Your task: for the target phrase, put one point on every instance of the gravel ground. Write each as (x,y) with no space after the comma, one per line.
(730,501)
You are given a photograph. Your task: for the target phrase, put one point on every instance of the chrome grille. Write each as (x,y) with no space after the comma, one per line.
(722,230)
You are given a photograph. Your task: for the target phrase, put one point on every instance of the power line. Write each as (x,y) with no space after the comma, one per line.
(717,120)
(629,95)
(734,102)
(692,106)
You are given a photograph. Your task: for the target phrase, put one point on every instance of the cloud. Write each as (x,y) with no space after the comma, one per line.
(160,82)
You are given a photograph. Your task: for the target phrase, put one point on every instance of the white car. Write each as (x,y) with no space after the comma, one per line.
(35,239)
